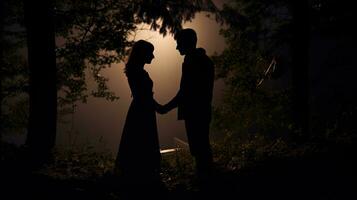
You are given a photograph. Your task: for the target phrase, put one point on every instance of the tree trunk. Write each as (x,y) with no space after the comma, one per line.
(1,61)
(300,76)
(42,66)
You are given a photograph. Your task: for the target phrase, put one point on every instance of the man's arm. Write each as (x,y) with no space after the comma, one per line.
(173,103)
(159,108)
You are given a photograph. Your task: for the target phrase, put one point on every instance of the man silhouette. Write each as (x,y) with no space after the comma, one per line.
(194,99)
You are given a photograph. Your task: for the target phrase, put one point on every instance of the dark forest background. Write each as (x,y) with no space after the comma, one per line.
(285,127)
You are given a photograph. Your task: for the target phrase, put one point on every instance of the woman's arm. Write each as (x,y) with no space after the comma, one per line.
(173,103)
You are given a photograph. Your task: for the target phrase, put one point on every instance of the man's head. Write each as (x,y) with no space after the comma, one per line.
(186,40)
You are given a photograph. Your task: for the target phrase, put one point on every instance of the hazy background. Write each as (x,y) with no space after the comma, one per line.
(100,122)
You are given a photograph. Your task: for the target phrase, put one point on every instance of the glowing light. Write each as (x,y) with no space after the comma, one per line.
(169,150)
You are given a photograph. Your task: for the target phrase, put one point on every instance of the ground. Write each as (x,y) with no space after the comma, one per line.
(327,175)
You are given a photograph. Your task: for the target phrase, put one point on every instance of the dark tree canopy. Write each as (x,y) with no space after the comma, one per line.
(257,36)
(90,36)
(275,33)
(96,34)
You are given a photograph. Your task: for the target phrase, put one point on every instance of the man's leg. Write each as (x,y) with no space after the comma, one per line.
(200,148)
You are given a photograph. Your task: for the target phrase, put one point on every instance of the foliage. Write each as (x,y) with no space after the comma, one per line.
(13,71)
(14,117)
(93,35)
(340,126)
(233,156)
(82,163)
(178,170)
(87,163)
(257,36)
(237,155)
(332,17)
(97,34)
(168,16)
(90,36)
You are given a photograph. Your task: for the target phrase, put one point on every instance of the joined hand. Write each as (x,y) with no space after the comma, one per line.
(162,109)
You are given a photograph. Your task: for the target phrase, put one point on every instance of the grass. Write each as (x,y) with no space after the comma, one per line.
(239,164)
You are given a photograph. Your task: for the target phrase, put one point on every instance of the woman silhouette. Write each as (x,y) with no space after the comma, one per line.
(138,158)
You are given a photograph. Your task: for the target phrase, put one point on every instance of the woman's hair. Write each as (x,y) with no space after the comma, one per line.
(138,54)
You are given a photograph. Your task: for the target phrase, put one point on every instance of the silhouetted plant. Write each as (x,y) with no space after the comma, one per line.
(256,101)
(82,163)
(90,36)
(178,169)
(259,33)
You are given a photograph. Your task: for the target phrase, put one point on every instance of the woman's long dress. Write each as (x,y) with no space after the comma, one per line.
(139,151)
